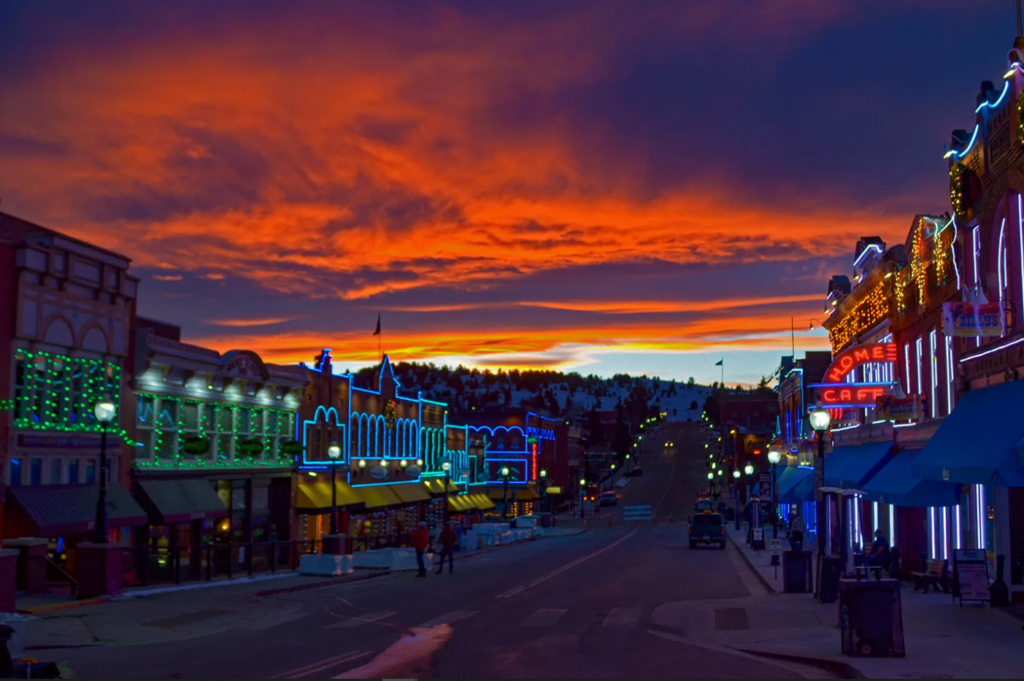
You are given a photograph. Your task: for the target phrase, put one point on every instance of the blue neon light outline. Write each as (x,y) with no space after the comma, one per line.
(998,102)
(970,145)
(870,247)
(306,423)
(853,385)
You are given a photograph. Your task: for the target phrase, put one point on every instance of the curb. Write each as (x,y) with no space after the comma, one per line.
(51,607)
(843,670)
(317,585)
(757,573)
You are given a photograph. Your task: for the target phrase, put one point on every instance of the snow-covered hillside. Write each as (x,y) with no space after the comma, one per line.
(551,391)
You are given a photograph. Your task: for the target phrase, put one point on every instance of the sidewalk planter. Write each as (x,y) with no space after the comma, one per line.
(326,564)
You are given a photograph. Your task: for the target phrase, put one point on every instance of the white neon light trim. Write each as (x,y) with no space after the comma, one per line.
(931,533)
(991,350)
(957,527)
(919,357)
(933,348)
(1001,267)
(980,503)
(950,378)
(1020,240)
(952,253)
(998,102)
(976,247)
(874,517)
(892,526)
(906,362)
(871,247)
(945,533)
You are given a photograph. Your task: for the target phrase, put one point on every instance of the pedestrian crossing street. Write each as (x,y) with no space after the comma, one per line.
(541,618)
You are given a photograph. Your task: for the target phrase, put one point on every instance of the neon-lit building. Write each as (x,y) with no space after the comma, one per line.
(977,445)
(214,457)
(392,452)
(526,443)
(886,387)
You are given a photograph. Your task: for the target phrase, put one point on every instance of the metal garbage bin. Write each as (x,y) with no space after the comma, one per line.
(830,569)
(796,572)
(871,618)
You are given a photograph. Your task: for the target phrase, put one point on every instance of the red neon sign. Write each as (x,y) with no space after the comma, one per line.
(853,395)
(533,468)
(851,358)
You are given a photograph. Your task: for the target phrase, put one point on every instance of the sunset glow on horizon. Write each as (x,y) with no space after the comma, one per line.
(586,186)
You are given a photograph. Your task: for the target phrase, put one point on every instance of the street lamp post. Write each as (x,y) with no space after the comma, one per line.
(774,457)
(749,470)
(505,472)
(544,490)
(446,466)
(820,419)
(334,451)
(583,486)
(736,495)
(105,411)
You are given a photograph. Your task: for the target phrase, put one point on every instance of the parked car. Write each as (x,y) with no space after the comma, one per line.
(609,498)
(707,528)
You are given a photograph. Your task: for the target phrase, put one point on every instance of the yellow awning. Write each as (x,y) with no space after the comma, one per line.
(409,493)
(481,501)
(378,496)
(528,494)
(436,486)
(316,496)
(460,504)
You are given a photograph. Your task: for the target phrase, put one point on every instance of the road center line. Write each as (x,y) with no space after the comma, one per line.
(323,665)
(568,566)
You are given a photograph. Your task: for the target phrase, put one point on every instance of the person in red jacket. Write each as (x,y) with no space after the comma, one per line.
(420,538)
(448,540)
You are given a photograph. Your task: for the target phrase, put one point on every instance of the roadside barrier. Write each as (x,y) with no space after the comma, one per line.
(637,513)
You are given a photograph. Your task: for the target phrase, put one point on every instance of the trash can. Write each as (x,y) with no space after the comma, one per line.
(830,569)
(871,618)
(796,572)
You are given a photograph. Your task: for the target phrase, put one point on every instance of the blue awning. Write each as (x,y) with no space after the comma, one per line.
(851,467)
(796,485)
(979,443)
(895,484)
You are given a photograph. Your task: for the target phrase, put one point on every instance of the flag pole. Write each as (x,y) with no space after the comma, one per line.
(380,336)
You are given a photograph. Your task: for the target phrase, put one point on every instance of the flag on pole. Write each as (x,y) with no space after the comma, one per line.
(719,363)
(377,332)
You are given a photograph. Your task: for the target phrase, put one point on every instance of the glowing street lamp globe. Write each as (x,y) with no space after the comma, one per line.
(711,476)
(748,469)
(736,474)
(105,410)
(820,419)
(334,451)
(774,457)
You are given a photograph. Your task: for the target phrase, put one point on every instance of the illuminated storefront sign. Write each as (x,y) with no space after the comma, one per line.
(851,358)
(838,393)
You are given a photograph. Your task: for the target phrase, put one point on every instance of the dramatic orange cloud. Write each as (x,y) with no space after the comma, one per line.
(444,161)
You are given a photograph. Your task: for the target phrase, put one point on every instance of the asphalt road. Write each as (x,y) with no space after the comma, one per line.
(565,607)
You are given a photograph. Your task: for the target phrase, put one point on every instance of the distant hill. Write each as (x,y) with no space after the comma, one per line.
(552,391)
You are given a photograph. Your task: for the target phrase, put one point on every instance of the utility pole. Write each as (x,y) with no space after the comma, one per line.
(1020,26)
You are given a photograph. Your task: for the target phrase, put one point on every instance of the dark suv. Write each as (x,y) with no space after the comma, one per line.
(707,528)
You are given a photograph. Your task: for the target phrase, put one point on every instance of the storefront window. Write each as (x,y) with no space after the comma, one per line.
(145,420)
(167,423)
(55,472)
(37,472)
(73,471)
(15,478)
(90,473)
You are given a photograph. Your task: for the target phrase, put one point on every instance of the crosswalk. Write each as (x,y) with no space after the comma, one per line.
(541,618)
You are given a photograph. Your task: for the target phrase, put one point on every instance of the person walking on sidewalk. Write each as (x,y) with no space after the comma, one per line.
(420,538)
(796,532)
(448,540)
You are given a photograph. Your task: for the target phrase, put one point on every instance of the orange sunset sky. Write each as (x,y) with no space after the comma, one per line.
(595,186)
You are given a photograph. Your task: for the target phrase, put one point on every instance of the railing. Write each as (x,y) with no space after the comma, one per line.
(144,565)
(55,574)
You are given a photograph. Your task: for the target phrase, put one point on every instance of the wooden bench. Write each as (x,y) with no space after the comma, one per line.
(932,577)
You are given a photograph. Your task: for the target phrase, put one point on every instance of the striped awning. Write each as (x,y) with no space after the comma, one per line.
(481,501)
(436,486)
(460,504)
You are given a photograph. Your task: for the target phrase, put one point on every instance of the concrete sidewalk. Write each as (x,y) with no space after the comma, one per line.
(943,640)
